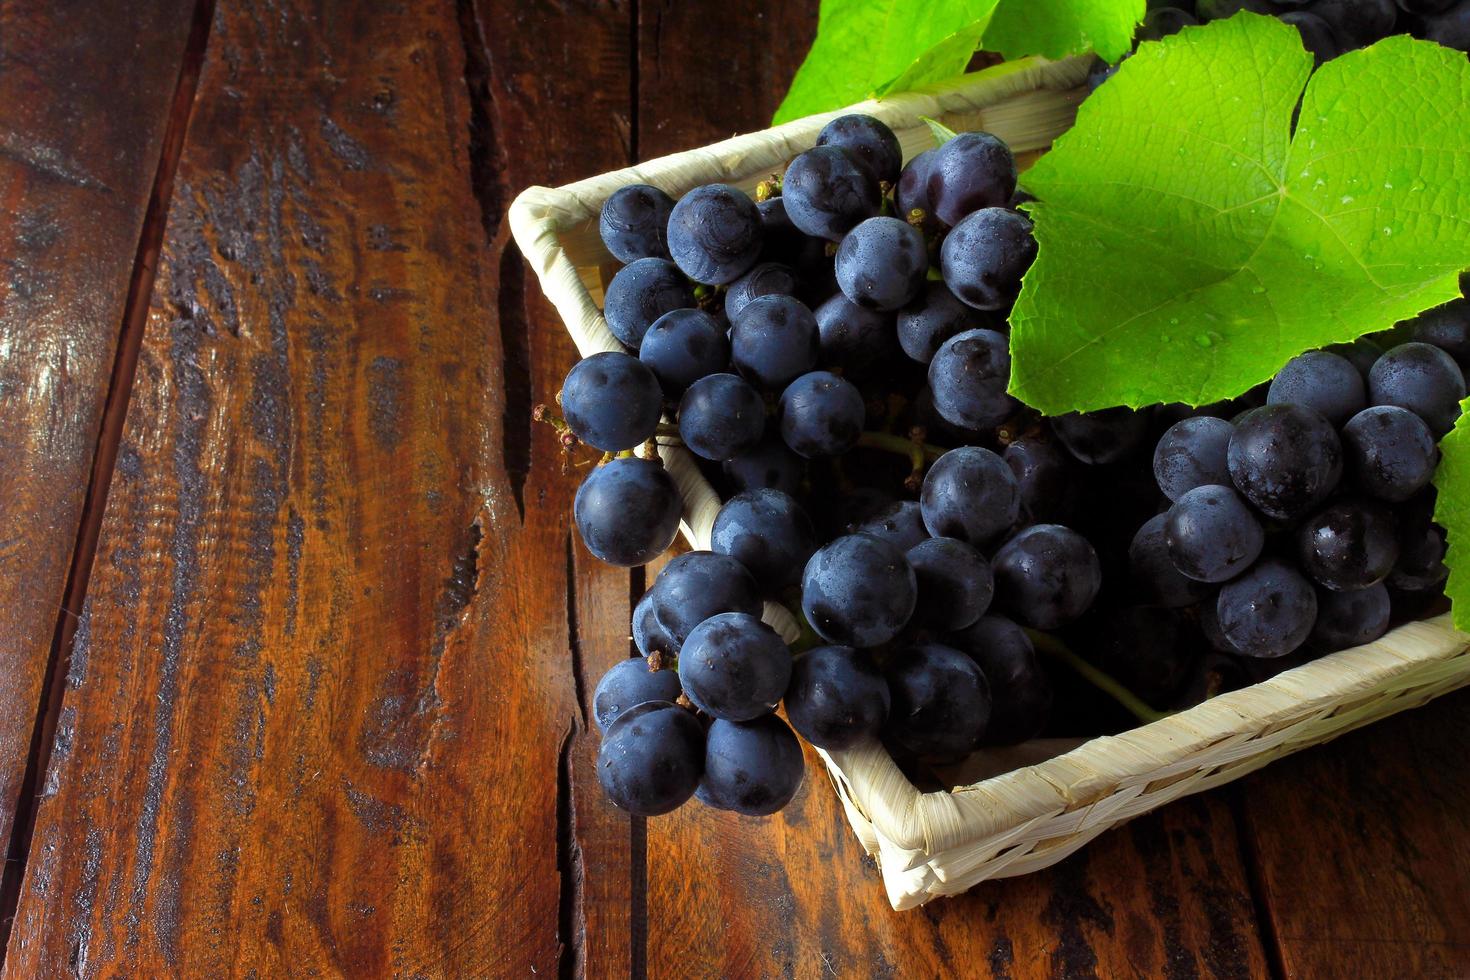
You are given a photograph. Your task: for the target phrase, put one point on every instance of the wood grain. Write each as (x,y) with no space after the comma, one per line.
(85,94)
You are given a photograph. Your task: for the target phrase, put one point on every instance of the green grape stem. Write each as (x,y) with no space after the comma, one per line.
(1052,647)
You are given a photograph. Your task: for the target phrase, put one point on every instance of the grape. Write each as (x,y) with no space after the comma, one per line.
(1446,327)
(821,415)
(857,340)
(766,279)
(1323,381)
(1421,546)
(611,401)
(1046,576)
(1161,22)
(900,523)
(1146,649)
(782,243)
(1285,459)
(651,758)
(634,222)
(627,511)
(715,234)
(1192,453)
(1350,619)
(648,636)
(1020,690)
(837,698)
(870,142)
(827,192)
(770,465)
(1212,535)
(768,533)
(683,346)
(1357,23)
(969,375)
(700,584)
(773,341)
(858,591)
(640,293)
(912,193)
(971,494)
(720,417)
(1362,353)
(1390,452)
(940,701)
(1268,611)
(1100,72)
(932,318)
(1044,477)
(1158,580)
(1421,378)
(1217,9)
(954,583)
(752,767)
(734,666)
(627,684)
(1450,28)
(1100,437)
(1425,6)
(970,172)
(881,263)
(1316,34)
(985,256)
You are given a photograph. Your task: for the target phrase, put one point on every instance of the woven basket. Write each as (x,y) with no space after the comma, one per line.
(942,843)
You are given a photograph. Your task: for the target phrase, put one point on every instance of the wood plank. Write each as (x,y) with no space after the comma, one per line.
(1362,848)
(85,94)
(322,689)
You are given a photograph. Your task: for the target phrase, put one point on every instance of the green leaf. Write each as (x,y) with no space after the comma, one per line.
(942,133)
(1057,28)
(1189,246)
(1452,512)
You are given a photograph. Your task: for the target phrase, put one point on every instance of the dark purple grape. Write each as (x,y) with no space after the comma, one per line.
(821,415)
(900,523)
(1446,327)
(1350,619)
(837,698)
(1421,566)
(954,581)
(648,636)
(1425,6)
(1211,534)
(985,256)
(827,192)
(1285,459)
(770,465)
(651,759)
(1218,9)
(932,318)
(683,346)
(774,341)
(1161,22)
(971,494)
(1317,35)
(1157,579)
(1450,28)
(627,511)
(1357,23)
(1361,353)
(1267,612)
(720,417)
(630,683)
(634,222)
(751,767)
(768,533)
(858,591)
(869,140)
(1020,690)
(700,584)
(881,263)
(912,193)
(857,340)
(715,234)
(1100,72)
(640,293)
(1421,378)
(1046,576)
(1348,545)
(1390,452)
(782,243)
(940,701)
(734,666)
(1104,436)
(611,401)
(766,279)
(969,375)
(1045,477)
(1323,381)
(970,172)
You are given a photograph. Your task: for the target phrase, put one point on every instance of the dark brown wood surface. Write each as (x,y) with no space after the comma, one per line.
(327,708)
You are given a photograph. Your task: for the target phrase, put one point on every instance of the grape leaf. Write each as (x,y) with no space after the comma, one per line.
(1452,512)
(1189,245)
(1057,28)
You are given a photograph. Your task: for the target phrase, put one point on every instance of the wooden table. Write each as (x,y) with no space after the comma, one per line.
(297,644)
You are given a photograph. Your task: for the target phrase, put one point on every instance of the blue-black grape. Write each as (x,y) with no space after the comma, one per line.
(869,140)
(1446,327)
(1285,459)
(985,255)
(1316,34)
(627,684)
(1421,378)
(881,263)
(954,581)
(1268,611)
(1192,453)
(768,533)
(611,401)
(1217,9)
(627,511)
(773,341)
(900,523)
(1321,380)
(770,465)
(651,758)
(1045,478)
(634,223)
(734,666)
(1212,535)
(720,417)
(1421,566)
(932,318)
(971,494)
(700,584)
(766,279)
(1357,23)
(751,767)
(1450,27)
(1389,452)
(837,698)
(941,701)
(1104,436)
(1361,353)
(648,636)
(1350,619)
(782,243)
(1348,545)
(912,193)
(1046,576)
(1100,72)
(640,293)
(683,346)
(970,172)
(1161,22)
(853,338)
(827,192)
(1020,690)
(969,376)
(1155,576)
(821,415)
(858,591)
(715,234)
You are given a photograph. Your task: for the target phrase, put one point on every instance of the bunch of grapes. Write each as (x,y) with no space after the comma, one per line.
(835,353)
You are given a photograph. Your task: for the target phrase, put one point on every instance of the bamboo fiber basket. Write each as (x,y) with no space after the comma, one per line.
(942,843)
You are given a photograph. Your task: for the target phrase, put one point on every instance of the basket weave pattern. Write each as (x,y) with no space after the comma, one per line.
(943,843)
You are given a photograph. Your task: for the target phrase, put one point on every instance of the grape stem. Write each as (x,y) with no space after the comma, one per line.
(914,447)
(1109,685)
